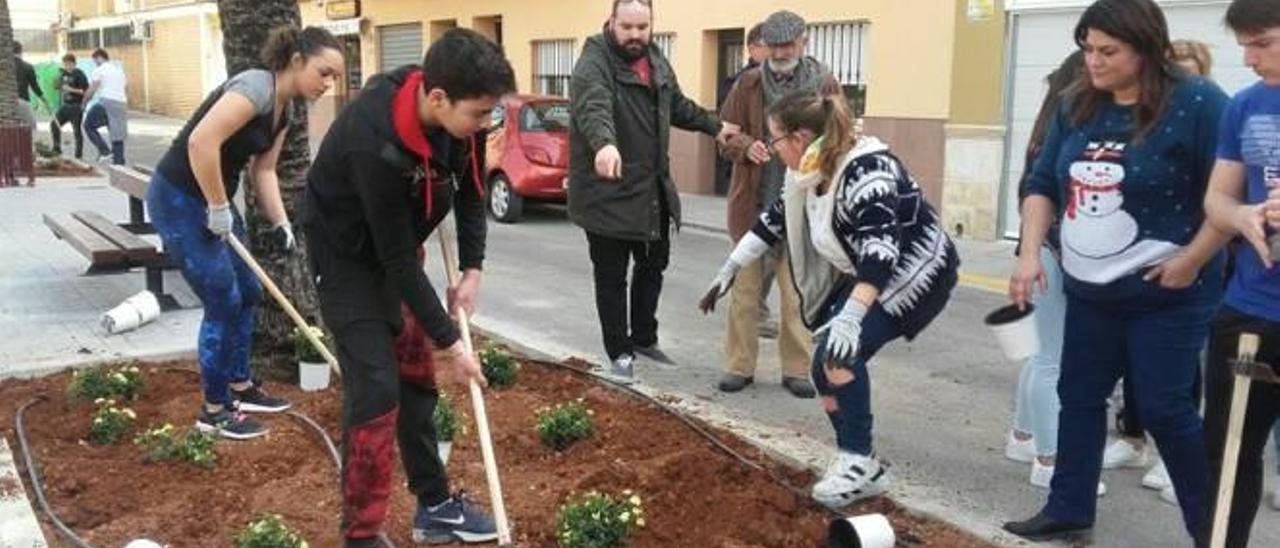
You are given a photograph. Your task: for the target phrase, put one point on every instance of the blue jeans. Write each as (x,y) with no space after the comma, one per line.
(1036,410)
(851,418)
(224,284)
(1160,343)
(94,120)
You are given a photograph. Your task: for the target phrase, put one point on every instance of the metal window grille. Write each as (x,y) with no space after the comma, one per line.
(842,47)
(666,43)
(552,66)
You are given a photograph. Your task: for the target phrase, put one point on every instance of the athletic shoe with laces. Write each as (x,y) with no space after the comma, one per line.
(454,520)
(1121,454)
(229,423)
(849,478)
(256,400)
(1157,477)
(1020,450)
(622,369)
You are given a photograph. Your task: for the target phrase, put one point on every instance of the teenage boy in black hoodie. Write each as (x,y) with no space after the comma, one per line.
(391,167)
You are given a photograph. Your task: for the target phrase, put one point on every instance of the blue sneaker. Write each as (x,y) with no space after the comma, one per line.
(454,520)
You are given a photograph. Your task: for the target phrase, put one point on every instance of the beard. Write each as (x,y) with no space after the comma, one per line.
(633,50)
(783,66)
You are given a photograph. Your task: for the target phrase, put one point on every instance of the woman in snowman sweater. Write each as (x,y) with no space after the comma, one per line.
(868,257)
(1124,169)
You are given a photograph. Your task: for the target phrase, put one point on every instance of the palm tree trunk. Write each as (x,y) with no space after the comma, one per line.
(245,25)
(8,69)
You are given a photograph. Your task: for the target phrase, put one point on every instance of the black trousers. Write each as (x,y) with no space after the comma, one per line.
(610,259)
(381,404)
(1263,410)
(72,114)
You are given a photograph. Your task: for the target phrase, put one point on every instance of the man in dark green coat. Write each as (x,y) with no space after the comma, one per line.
(625,100)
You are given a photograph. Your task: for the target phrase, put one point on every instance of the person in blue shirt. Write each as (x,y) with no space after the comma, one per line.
(1124,170)
(1244,199)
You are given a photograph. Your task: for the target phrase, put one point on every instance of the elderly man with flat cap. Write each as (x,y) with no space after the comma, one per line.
(756,183)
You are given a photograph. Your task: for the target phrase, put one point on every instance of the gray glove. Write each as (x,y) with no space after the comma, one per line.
(220,220)
(844,332)
(283,235)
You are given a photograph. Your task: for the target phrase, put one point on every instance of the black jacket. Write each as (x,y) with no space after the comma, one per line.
(27,80)
(611,106)
(366,215)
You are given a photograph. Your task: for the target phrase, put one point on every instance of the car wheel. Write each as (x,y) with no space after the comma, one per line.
(504,204)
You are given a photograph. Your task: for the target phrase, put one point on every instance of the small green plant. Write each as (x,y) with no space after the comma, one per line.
(446,420)
(269,531)
(596,520)
(110,422)
(161,445)
(121,381)
(566,423)
(500,368)
(303,350)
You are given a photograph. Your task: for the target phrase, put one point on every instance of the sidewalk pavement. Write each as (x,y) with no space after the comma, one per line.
(984,265)
(49,311)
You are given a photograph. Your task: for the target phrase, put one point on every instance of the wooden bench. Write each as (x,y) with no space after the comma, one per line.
(112,247)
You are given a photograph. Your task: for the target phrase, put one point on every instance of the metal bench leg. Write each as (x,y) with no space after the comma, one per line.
(155,284)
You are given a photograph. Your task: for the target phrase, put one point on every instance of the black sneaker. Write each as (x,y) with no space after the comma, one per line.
(454,520)
(256,400)
(654,353)
(229,424)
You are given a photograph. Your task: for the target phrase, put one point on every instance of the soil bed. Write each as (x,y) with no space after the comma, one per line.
(693,494)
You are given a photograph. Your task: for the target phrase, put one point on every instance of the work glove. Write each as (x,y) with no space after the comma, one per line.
(282,234)
(843,332)
(220,220)
(719,286)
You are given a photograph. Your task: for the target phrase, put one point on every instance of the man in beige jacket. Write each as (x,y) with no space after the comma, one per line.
(757,183)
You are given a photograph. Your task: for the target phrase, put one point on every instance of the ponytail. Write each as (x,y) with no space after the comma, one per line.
(822,115)
(286,41)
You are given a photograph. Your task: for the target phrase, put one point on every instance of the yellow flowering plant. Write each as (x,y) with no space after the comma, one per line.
(598,520)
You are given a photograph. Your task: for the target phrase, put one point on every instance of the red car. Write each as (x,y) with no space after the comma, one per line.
(535,157)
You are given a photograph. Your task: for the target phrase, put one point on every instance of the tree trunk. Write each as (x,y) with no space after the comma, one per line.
(8,69)
(245,26)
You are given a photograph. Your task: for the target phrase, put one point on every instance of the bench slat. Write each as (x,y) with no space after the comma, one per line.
(100,251)
(130,181)
(135,248)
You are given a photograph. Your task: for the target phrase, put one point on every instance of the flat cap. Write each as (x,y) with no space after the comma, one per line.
(782,27)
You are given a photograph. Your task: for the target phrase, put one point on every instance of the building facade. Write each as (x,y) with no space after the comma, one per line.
(899,61)
(171,50)
(34,25)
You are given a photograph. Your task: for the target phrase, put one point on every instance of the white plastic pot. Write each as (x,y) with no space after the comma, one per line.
(134,312)
(869,531)
(443,448)
(313,376)
(1015,330)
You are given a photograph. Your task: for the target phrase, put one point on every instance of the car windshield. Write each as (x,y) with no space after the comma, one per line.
(548,116)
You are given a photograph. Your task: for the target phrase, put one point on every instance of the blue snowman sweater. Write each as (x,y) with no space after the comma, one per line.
(1126,205)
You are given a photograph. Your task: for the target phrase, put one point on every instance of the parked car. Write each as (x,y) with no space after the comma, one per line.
(535,157)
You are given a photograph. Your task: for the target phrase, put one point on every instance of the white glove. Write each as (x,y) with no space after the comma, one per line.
(220,220)
(844,331)
(283,234)
(719,286)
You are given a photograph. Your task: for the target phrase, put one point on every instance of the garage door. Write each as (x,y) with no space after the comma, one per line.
(1041,39)
(399,45)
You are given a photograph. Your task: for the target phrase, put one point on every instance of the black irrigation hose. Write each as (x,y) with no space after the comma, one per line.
(697,428)
(34,474)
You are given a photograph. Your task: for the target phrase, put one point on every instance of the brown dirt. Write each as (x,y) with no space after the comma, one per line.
(61,167)
(694,495)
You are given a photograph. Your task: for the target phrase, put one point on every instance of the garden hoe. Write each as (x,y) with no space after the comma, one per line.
(1247,368)
(477,400)
(284,302)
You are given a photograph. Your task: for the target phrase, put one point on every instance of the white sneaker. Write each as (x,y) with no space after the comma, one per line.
(1157,477)
(1274,499)
(1121,454)
(850,477)
(622,369)
(1042,475)
(1019,450)
(1169,495)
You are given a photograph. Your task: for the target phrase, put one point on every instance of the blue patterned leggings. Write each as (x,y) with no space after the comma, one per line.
(224,284)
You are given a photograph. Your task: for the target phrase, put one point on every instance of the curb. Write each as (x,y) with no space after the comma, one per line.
(18,524)
(782,445)
(53,366)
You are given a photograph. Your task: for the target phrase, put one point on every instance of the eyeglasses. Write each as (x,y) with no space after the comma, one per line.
(773,143)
